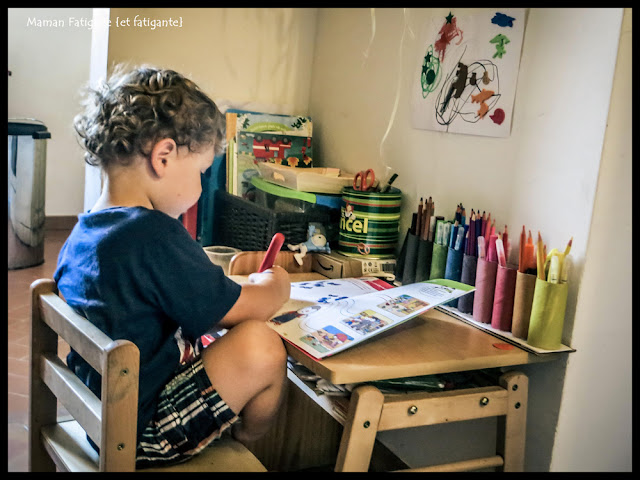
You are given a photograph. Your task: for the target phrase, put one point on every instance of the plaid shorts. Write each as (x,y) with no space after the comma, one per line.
(190,415)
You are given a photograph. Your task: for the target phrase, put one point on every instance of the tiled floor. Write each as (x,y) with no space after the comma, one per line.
(19,310)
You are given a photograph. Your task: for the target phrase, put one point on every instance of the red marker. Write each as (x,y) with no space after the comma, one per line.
(274,247)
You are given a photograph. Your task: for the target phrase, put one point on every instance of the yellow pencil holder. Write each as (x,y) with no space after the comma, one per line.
(547,315)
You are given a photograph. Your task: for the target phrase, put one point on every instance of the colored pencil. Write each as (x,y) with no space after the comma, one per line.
(472,235)
(274,247)
(523,240)
(530,260)
(505,242)
(568,248)
(481,253)
(492,255)
(425,221)
(540,253)
(419,218)
(502,260)
(488,231)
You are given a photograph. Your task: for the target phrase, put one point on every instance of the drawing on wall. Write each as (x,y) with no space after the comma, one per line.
(466,76)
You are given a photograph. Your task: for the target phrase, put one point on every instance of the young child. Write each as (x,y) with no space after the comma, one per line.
(132,269)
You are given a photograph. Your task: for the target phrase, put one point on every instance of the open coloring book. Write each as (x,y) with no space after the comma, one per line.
(347,311)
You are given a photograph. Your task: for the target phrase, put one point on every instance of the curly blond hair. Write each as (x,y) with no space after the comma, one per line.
(133,110)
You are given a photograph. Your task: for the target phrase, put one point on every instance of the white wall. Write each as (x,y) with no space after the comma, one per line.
(97,74)
(544,175)
(49,65)
(597,434)
(238,54)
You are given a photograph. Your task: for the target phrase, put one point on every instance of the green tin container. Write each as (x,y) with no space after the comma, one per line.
(369,223)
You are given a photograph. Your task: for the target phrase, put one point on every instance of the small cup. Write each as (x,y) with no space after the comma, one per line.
(221,255)
(547,315)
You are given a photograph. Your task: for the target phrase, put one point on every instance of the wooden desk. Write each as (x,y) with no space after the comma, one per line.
(432,343)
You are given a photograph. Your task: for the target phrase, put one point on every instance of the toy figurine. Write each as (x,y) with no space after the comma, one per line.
(317,242)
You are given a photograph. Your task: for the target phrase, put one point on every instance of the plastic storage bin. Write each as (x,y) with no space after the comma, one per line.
(283,199)
(249,226)
(26,175)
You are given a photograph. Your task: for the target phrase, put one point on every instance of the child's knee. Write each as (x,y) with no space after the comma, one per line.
(264,347)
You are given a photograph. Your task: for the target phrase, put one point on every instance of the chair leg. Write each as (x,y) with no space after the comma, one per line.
(360,430)
(42,403)
(512,427)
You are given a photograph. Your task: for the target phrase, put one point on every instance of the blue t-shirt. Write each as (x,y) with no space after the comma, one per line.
(138,275)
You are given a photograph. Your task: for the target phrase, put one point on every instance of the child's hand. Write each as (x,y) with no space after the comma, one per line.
(269,275)
(261,297)
(276,278)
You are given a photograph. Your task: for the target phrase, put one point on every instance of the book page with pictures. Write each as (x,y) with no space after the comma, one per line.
(327,291)
(325,328)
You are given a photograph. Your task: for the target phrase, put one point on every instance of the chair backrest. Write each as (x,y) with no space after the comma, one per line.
(245,263)
(109,421)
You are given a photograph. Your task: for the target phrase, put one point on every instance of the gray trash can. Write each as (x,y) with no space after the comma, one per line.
(26,171)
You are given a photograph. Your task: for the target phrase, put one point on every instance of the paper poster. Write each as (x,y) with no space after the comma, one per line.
(466,74)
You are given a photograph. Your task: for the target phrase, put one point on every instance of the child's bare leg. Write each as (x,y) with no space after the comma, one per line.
(247,367)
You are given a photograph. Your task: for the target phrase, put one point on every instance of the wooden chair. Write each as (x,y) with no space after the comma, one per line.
(109,421)
(244,263)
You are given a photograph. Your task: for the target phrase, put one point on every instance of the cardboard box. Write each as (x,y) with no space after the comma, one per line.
(336,265)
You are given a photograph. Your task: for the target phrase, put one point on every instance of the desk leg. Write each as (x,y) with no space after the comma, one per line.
(360,430)
(512,427)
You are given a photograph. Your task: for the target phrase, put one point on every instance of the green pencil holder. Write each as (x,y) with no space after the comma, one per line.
(438,261)
(547,315)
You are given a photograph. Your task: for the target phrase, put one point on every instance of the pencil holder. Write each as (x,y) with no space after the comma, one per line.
(411,260)
(438,261)
(522,302)
(453,270)
(547,315)
(369,223)
(402,256)
(485,287)
(423,267)
(502,312)
(468,276)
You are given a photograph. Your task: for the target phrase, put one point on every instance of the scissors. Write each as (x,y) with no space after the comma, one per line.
(364,180)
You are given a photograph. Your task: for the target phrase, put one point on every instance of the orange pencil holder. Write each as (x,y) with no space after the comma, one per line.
(522,303)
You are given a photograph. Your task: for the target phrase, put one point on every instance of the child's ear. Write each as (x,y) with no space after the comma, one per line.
(162,153)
